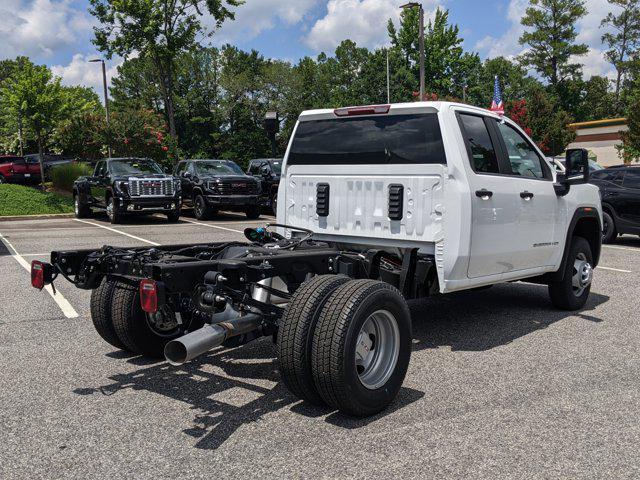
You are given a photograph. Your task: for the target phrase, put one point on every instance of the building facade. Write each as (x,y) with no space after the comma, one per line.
(600,137)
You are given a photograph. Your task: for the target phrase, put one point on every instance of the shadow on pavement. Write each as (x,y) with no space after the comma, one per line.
(250,387)
(484,319)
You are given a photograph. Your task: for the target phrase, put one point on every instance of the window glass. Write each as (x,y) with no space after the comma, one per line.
(606,175)
(523,158)
(99,169)
(182,166)
(382,139)
(133,166)
(484,159)
(276,167)
(218,167)
(253,168)
(632,179)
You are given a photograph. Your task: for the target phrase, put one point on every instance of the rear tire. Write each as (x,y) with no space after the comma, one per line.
(253,213)
(81,210)
(572,292)
(295,335)
(361,347)
(101,299)
(2,180)
(133,325)
(609,231)
(274,204)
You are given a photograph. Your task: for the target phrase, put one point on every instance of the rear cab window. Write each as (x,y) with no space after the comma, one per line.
(388,139)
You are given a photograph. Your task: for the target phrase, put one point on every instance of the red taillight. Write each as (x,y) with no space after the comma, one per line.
(368,110)
(37,274)
(149,295)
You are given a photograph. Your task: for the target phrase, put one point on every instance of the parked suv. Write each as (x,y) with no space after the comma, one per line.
(267,171)
(122,186)
(620,191)
(15,169)
(212,185)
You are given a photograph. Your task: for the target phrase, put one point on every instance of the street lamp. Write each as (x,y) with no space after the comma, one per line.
(106,97)
(421,16)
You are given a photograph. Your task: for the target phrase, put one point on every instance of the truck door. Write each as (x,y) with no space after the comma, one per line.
(96,188)
(535,199)
(494,212)
(629,199)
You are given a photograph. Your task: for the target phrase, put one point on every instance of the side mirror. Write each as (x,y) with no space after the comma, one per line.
(265,172)
(186,174)
(576,171)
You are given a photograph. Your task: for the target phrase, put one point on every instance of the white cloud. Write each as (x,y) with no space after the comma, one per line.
(589,32)
(81,72)
(40,28)
(363,21)
(257,16)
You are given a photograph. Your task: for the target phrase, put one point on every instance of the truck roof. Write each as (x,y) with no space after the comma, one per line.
(406,108)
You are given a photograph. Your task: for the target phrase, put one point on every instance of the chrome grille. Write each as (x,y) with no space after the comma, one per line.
(240,187)
(151,187)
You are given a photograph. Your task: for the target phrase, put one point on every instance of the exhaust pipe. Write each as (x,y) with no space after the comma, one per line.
(196,343)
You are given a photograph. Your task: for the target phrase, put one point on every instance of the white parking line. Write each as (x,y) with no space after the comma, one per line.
(62,302)
(118,231)
(614,269)
(212,226)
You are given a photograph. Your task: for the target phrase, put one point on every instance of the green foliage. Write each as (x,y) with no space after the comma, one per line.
(551,38)
(631,138)
(158,31)
(21,200)
(81,136)
(548,122)
(63,176)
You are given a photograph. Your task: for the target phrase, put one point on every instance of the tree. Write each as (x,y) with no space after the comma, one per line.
(552,41)
(624,39)
(37,99)
(159,30)
(548,122)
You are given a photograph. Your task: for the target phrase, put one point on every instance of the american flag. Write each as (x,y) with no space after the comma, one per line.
(497,105)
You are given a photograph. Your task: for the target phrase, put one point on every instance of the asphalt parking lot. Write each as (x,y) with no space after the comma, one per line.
(500,384)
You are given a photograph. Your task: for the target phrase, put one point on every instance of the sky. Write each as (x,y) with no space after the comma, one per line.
(58,33)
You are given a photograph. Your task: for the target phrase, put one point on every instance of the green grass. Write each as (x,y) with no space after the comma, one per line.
(21,200)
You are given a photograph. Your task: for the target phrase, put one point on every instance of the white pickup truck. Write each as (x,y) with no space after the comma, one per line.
(377,205)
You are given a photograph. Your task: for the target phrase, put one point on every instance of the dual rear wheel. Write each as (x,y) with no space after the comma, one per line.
(345,343)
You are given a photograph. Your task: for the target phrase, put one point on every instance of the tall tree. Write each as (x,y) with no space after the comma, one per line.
(157,29)
(624,38)
(551,40)
(35,97)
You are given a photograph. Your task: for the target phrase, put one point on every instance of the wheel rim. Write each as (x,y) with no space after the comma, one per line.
(582,274)
(377,349)
(606,229)
(163,322)
(274,204)
(198,207)
(76,205)
(110,208)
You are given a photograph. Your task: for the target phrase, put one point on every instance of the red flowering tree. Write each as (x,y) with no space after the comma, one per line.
(518,112)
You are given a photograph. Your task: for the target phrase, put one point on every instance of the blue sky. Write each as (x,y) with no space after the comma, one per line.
(58,32)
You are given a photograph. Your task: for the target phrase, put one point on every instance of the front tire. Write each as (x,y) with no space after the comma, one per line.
(112,212)
(295,335)
(609,231)
(253,213)
(274,204)
(361,347)
(572,292)
(173,217)
(140,332)
(200,208)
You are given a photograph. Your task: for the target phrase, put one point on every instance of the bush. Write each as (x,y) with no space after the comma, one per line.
(63,176)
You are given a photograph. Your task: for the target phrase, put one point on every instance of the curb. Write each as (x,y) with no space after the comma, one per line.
(36,217)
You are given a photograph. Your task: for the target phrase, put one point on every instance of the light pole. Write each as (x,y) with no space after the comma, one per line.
(106,97)
(421,16)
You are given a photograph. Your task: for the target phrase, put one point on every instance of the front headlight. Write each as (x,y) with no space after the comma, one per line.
(122,186)
(177,185)
(212,186)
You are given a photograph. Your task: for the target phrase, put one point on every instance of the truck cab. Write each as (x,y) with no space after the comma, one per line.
(457,182)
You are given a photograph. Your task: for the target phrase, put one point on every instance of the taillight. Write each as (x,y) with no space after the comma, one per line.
(37,274)
(149,295)
(368,110)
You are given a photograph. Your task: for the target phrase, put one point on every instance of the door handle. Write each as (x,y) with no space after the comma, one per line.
(484,194)
(526,195)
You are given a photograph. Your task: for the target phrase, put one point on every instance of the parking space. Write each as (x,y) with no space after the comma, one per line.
(500,384)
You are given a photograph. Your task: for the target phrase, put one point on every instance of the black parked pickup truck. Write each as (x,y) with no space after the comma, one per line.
(620,192)
(123,186)
(267,171)
(212,185)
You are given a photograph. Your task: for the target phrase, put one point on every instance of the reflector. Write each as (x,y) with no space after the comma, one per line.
(37,274)
(367,110)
